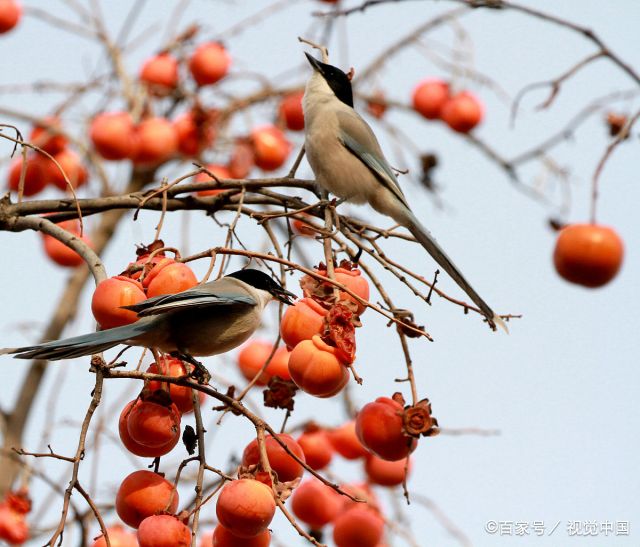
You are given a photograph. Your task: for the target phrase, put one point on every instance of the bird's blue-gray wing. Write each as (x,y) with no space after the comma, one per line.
(198,297)
(359,139)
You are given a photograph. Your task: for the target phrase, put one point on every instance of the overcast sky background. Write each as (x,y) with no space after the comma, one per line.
(561,387)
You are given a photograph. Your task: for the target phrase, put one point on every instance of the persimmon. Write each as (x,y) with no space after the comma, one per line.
(36,175)
(144,265)
(242,160)
(315,503)
(109,297)
(379,428)
(118,537)
(13,525)
(153,424)
(219,171)
(113,135)
(10,14)
(60,253)
(352,279)
(142,494)
(361,490)
(224,538)
(160,74)
(316,369)
(345,441)
(181,396)
(209,63)
(50,140)
(384,472)
(152,267)
(196,131)
(72,166)
(317,449)
(290,111)
(462,112)
(302,321)
(163,531)
(254,355)
(303,228)
(358,527)
(377,105)
(429,97)
(135,447)
(245,507)
(156,141)
(282,463)
(270,147)
(171,279)
(588,254)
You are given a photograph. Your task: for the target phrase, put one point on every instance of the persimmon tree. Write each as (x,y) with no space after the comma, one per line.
(193,135)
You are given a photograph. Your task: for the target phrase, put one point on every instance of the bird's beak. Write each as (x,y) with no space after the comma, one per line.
(317,66)
(284,296)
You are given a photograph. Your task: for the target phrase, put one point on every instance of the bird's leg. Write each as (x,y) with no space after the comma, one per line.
(199,373)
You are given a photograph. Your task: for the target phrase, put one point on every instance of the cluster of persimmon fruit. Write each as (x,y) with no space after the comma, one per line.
(150,425)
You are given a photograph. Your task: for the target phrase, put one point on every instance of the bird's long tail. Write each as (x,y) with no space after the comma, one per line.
(431,245)
(77,346)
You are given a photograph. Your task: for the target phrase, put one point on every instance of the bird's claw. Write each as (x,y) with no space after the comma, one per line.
(199,373)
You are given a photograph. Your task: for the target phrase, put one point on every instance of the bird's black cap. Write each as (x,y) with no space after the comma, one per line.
(262,281)
(338,81)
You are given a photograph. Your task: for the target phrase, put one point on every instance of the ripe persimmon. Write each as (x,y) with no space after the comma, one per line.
(345,441)
(113,135)
(270,147)
(462,112)
(163,531)
(358,527)
(302,321)
(135,447)
(109,297)
(152,424)
(315,503)
(160,74)
(224,538)
(245,507)
(142,494)
(379,428)
(290,111)
(429,96)
(588,254)
(384,472)
(283,464)
(118,537)
(318,451)
(209,63)
(316,369)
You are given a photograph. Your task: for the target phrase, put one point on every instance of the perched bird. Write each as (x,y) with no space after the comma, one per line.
(347,160)
(205,320)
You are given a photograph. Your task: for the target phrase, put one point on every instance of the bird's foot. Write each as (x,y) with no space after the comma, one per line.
(199,373)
